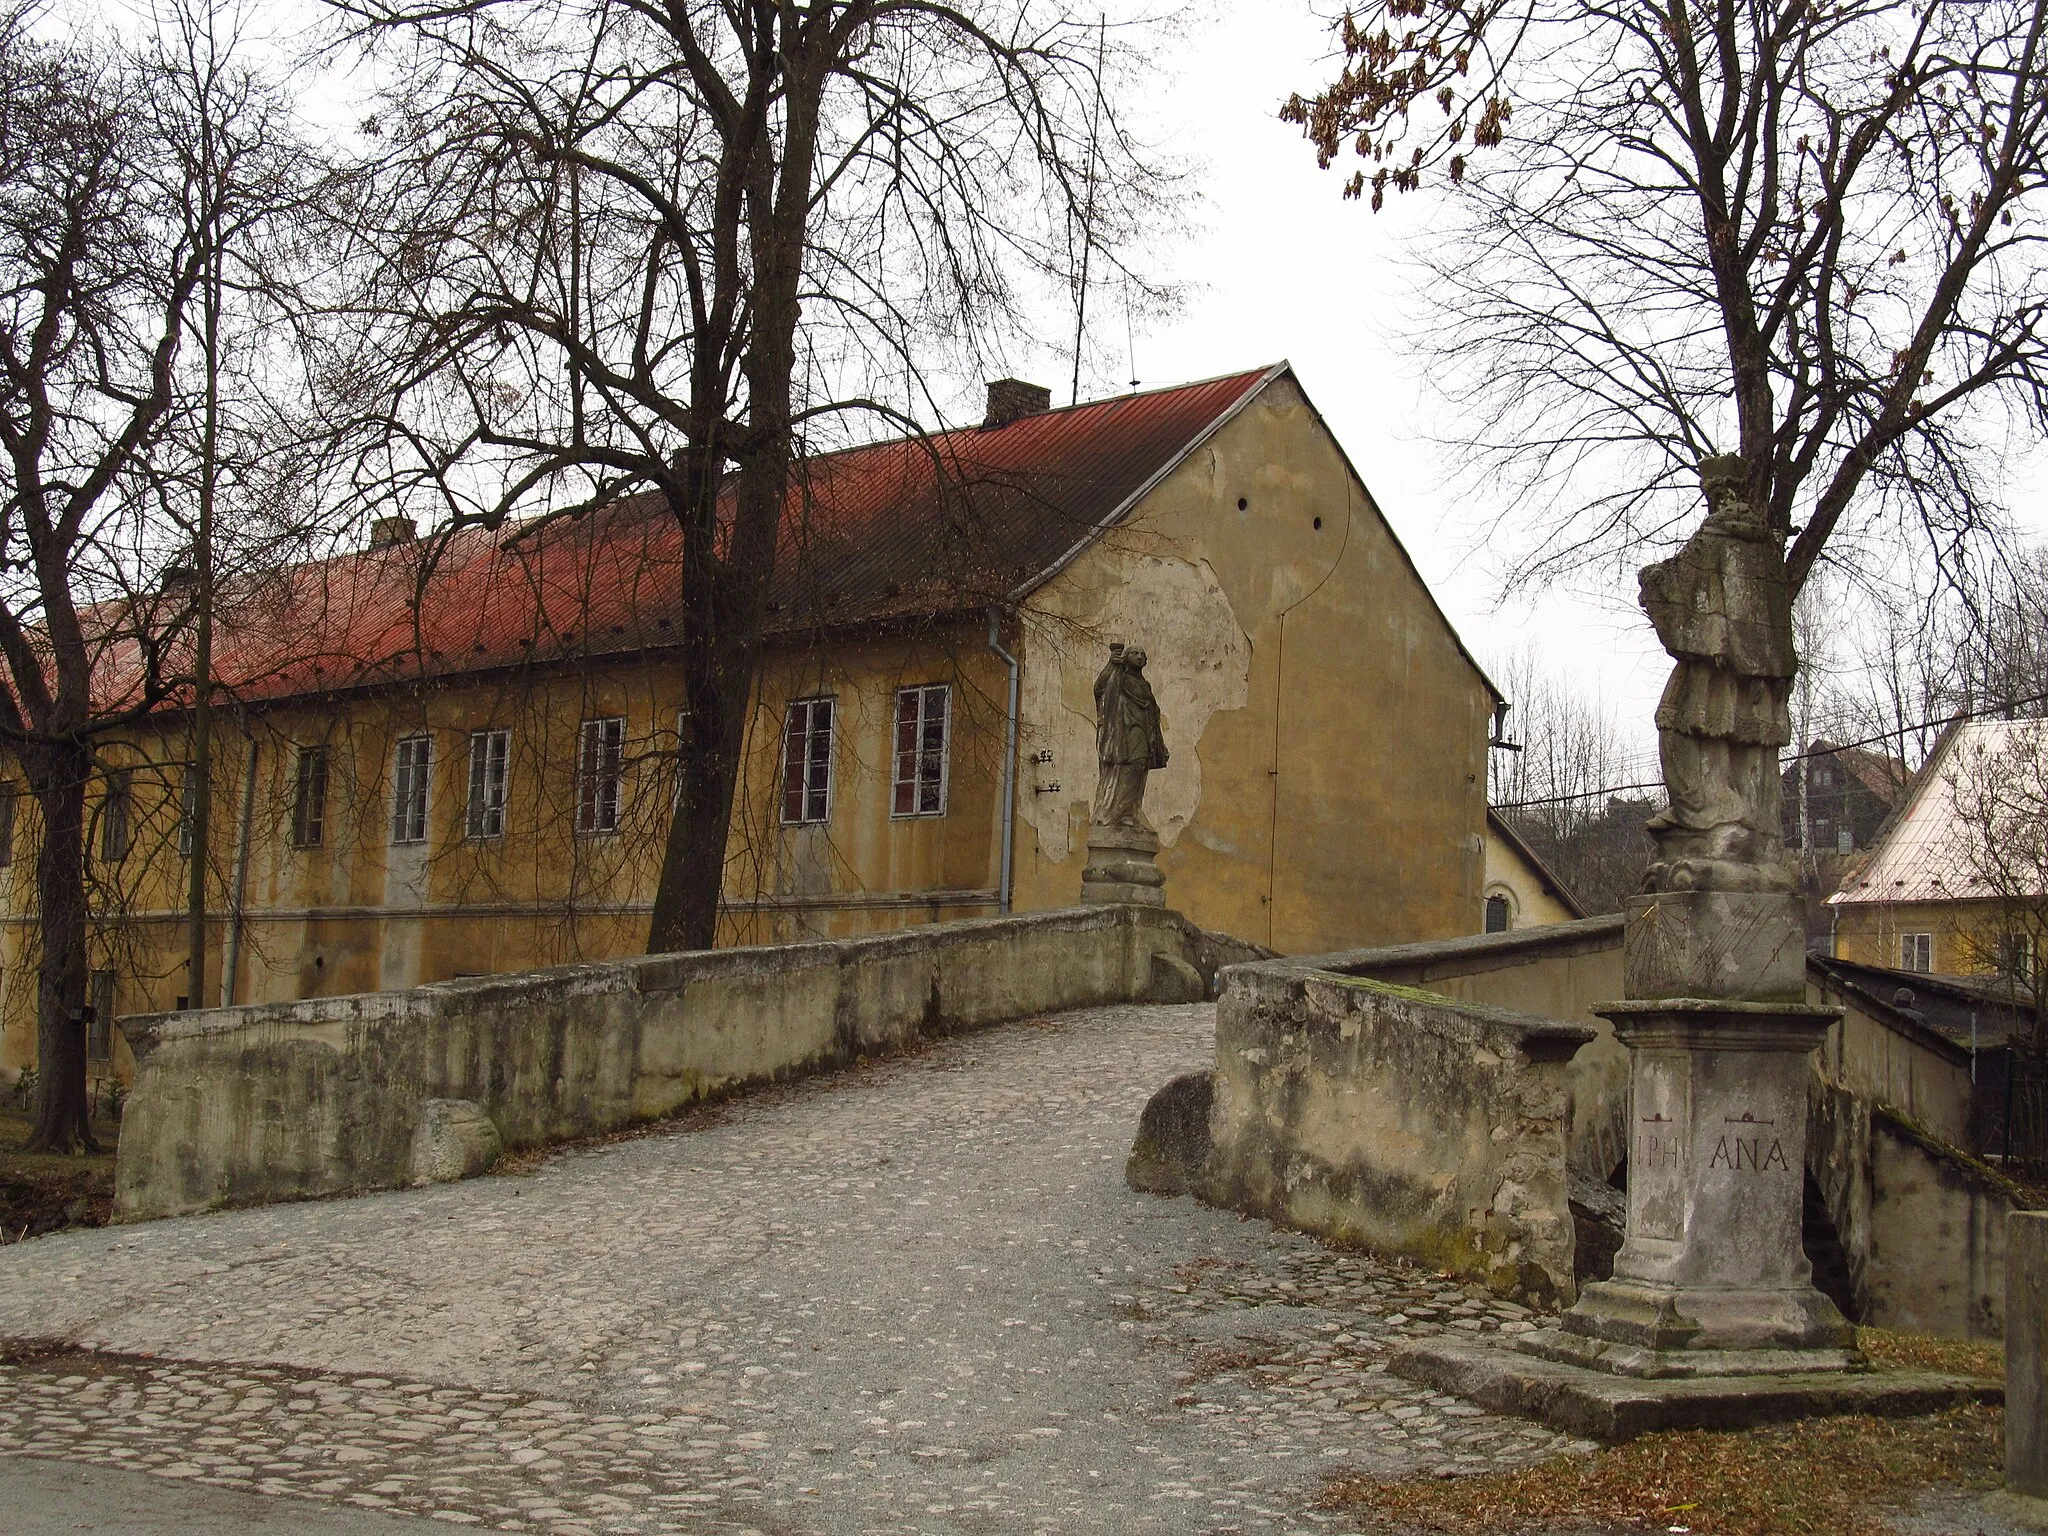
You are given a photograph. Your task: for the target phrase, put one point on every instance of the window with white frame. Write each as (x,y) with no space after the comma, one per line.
(807,761)
(600,767)
(114,817)
(188,809)
(409,790)
(489,753)
(1916,951)
(922,723)
(99,1034)
(309,799)
(1845,840)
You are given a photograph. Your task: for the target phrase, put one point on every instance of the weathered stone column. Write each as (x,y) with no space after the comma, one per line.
(1711,1317)
(1712,1277)
(2026,1353)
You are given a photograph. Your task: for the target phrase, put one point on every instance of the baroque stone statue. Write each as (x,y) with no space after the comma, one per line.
(1129,743)
(1723,608)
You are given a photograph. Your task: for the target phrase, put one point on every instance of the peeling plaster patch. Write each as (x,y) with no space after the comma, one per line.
(1198,662)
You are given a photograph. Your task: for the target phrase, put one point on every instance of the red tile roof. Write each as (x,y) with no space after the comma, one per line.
(891,530)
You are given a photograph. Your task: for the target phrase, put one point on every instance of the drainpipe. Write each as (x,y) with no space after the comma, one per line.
(995,624)
(232,963)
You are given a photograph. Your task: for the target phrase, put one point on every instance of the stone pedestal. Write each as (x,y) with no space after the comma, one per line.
(1744,946)
(2026,1353)
(1121,867)
(1711,1279)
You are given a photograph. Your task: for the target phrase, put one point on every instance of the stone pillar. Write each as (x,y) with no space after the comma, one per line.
(1122,867)
(2026,1353)
(1712,1277)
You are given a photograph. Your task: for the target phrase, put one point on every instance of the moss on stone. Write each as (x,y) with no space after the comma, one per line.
(1388,988)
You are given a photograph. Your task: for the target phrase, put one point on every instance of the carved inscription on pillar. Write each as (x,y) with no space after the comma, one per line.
(1657,1157)
(1748,1145)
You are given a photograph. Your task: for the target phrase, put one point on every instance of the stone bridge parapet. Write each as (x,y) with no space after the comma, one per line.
(1399,1120)
(278,1101)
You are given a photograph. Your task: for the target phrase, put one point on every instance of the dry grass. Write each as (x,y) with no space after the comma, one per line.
(1891,1350)
(1833,1476)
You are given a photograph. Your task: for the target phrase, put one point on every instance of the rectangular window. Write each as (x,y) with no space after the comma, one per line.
(1845,840)
(807,761)
(309,798)
(600,766)
(1916,952)
(409,790)
(99,1031)
(7,797)
(489,752)
(188,809)
(921,730)
(114,818)
(676,798)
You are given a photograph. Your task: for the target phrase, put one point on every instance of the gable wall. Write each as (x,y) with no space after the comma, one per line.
(1328,736)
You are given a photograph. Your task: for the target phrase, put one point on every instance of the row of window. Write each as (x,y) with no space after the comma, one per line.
(922,749)
(600,775)
(922,740)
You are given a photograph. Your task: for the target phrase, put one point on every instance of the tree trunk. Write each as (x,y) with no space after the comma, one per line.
(707,764)
(723,610)
(57,777)
(725,599)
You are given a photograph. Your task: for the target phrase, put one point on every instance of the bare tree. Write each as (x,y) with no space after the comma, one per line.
(104,252)
(625,248)
(1573,789)
(1809,234)
(1998,784)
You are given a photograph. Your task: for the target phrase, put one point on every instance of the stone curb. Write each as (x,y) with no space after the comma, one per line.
(1618,1408)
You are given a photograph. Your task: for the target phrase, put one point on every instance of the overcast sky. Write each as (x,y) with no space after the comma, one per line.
(1283,267)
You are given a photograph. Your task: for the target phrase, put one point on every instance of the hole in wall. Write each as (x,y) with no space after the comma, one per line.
(1242,503)
(1319,525)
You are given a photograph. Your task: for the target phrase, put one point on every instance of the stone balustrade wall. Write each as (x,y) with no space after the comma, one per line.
(1399,1120)
(239,1106)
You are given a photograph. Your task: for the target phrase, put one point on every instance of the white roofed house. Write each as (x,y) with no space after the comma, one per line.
(1957,882)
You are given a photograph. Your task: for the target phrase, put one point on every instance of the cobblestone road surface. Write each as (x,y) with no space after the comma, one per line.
(914,1297)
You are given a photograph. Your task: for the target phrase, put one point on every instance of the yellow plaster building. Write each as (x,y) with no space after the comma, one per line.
(1521,890)
(480,782)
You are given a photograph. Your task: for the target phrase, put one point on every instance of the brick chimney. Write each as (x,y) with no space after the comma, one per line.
(1012,399)
(387,531)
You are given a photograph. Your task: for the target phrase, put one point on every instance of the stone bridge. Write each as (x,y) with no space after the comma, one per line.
(907,1296)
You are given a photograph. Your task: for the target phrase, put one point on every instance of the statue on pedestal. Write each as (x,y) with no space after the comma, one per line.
(1723,608)
(1129,743)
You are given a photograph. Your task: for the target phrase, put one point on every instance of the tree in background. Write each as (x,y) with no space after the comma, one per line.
(622,249)
(1573,790)
(1998,783)
(1806,234)
(107,232)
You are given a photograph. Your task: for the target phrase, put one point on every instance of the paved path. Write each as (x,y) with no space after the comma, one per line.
(915,1297)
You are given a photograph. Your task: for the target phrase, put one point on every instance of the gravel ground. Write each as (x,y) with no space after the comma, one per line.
(915,1297)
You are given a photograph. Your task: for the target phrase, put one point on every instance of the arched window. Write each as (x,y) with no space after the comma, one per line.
(1498,914)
